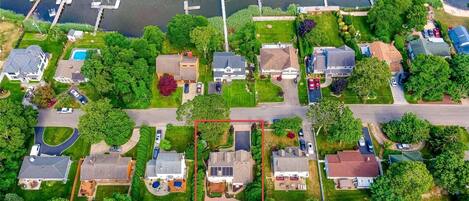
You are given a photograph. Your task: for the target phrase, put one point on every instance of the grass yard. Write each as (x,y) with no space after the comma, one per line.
(280,31)
(239,93)
(302,88)
(14,87)
(325,147)
(383,96)
(107,191)
(89,91)
(267,91)
(342,195)
(450,20)
(179,136)
(88,41)
(9,35)
(159,101)
(78,150)
(360,23)
(57,135)
(326,32)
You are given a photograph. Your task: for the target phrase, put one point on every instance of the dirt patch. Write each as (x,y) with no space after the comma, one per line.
(313,180)
(9,35)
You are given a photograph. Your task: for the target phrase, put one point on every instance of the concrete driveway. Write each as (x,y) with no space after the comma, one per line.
(192,93)
(212,88)
(53,150)
(290,91)
(242,140)
(398,94)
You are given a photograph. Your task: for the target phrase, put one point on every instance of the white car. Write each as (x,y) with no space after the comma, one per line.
(393,82)
(64,110)
(362,142)
(75,93)
(310,148)
(35,150)
(158,136)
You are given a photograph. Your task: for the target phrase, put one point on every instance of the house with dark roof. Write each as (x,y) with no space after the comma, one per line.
(405,156)
(26,65)
(460,38)
(36,169)
(351,169)
(69,71)
(227,66)
(435,46)
(333,62)
(184,68)
(167,166)
(290,162)
(233,168)
(279,60)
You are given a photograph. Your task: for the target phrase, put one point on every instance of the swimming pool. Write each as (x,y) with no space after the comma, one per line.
(79,55)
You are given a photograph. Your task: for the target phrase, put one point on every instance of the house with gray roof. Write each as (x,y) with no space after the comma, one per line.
(460,38)
(426,47)
(227,66)
(333,62)
(26,65)
(106,168)
(43,168)
(290,162)
(184,68)
(233,168)
(167,166)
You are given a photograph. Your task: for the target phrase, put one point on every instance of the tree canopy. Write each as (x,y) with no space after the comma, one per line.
(324,113)
(43,96)
(245,42)
(451,172)
(460,72)
(180,27)
(444,138)
(103,122)
(207,40)
(346,129)
(280,126)
(368,76)
(403,181)
(409,129)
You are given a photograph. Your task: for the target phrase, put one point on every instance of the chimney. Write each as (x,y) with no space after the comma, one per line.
(281,152)
(189,54)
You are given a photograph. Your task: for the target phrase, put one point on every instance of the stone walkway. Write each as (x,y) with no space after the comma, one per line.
(102,147)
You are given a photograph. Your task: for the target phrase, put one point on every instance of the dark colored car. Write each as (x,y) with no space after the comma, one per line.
(218,87)
(437,32)
(186,88)
(83,100)
(156,151)
(430,33)
(300,133)
(302,144)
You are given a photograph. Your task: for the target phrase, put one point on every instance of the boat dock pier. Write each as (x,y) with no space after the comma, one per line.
(188,8)
(59,12)
(32,9)
(98,20)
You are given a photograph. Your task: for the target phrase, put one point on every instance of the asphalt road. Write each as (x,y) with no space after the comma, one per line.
(53,150)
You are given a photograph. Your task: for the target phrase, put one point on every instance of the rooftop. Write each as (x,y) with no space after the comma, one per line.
(237,164)
(291,159)
(44,167)
(351,164)
(105,166)
(166,163)
(279,58)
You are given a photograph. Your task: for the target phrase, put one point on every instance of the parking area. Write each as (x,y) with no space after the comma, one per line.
(314,90)
(191,92)
(212,88)
(366,146)
(290,91)
(242,140)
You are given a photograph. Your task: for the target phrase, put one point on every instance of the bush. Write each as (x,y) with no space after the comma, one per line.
(11,16)
(144,143)
(82,27)
(409,129)
(167,85)
(338,86)
(286,123)
(306,26)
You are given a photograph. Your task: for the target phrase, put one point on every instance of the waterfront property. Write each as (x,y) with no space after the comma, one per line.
(279,60)
(26,65)
(351,169)
(333,62)
(74,35)
(227,67)
(184,68)
(460,39)
(434,46)
(36,169)
(290,168)
(389,54)
(69,71)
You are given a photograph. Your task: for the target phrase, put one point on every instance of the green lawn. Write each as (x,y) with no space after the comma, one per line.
(267,91)
(179,136)
(57,135)
(14,87)
(327,27)
(360,23)
(107,191)
(239,93)
(88,41)
(159,101)
(281,31)
(89,91)
(302,88)
(342,195)
(326,147)
(383,96)
(78,150)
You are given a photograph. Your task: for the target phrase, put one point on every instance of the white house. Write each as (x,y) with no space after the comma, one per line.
(279,60)
(26,65)
(74,35)
(227,67)
(168,166)
(232,168)
(290,163)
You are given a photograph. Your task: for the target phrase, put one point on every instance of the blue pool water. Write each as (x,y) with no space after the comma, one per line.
(79,55)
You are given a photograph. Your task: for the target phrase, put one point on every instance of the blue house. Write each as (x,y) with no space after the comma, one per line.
(460,39)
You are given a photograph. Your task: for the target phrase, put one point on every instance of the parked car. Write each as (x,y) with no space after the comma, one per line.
(115,149)
(156,151)
(393,82)
(75,93)
(199,87)
(64,110)
(158,136)
(186,88)
(83,100)
(370,146)
(302,144)
(218,87)
(430,33)
(425,34)
(35,150)
(401,146)
(437,32)
(300,133)
(295,80)
(361,142)
(311,84)
(310,148)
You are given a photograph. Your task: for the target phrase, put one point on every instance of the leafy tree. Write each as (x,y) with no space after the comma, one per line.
(409,129)
(154,35)
(118,197)
(460,72)
(306,26)
(281,125)
(324,113)
(56,34)
(442,138)
(115,39)
(338,86)
(254,191)
(346,129)
(206,107)
(167,85)
(102,122)
(165,145)
(244,42)
(16,128)
(180,27)
(43,96)
(429,77)
(13,197)
(369,75)
(58,199)
(207,40)
(451,172)
(404,181)
(417,15)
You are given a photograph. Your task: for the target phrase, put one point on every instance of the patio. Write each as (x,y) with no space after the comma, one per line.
(30,184)
(178,185)
(216,187)
(289,183)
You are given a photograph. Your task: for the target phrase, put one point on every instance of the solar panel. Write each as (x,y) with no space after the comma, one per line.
(225,171)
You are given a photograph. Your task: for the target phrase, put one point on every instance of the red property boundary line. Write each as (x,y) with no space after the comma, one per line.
(196,125)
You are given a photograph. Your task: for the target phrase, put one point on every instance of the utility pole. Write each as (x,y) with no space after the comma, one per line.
(259,4)
(225,28)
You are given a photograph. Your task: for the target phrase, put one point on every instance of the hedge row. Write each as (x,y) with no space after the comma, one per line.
(144,144)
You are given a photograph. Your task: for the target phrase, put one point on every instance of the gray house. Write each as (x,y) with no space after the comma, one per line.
(36,169)
(26,64)
(290,162)
(334,62)
(168,166)
(427,47)
(227,66)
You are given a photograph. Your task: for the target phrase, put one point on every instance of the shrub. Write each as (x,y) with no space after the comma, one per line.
(167,85)
(11,16)
(280,126)
(144,143)
(306,26)
(291,135)
(82,27)
(338,86)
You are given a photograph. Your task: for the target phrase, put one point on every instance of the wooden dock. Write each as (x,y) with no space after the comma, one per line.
(188,8)
(32,9)
(98,20)
(59,12)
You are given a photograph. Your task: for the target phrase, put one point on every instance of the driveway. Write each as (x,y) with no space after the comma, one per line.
(398,94)
(290,91)
(191,94)
(242,140)
(367,137)
(212,88)
(53,150)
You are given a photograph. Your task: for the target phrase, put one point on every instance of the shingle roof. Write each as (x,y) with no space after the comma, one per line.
(166,163)
(24,61)
(170,64)
(221,60)
(292,159)
(460,38)
(69,69)
(43,167)
(240,162)
(279,58)
(388,53)
(342,56)
(105,166)
(352,164)
(423,46)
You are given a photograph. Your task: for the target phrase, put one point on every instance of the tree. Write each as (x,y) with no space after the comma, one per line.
(56,34)
(451,172)
(13,197)
(306,26)
(443,138)
(118,197)
(417,15)
(339,85)
(16,128)
(58,199)
(244,42)
(167,85)
(429,77)
(165,145)
(324,113)
(180,27)
(102,122)
(115,39)
(404,181)
(154,35)
(460,72)
(281,125)
(369,75)
(207,40)
(346,129)
(409,129)
(43,96)
(206,107)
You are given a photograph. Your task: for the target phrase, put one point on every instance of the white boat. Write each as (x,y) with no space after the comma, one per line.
(52,12)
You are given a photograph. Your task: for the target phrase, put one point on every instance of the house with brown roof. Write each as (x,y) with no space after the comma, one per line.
(69,71)
(231,168)
(184,68)
(279,60)
(351,169)
(389,54)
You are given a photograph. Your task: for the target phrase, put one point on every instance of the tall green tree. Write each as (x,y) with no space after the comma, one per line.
(409,129)
(43,96)
(451,172)
(244,42)
(460,72)
(154,35)
(207,40)
(429,77)
(324,113)
(444,137)
(180,27)
(206,107)
(103,122)
(368,76)
(404,181)
(13,197)
(346,129)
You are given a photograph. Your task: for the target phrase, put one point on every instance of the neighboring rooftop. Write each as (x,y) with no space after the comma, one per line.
(223,60)
(460,38)
(406,156)
(44,167)
(424,46)
(334,57)
(236,164)
(388,53)
(351,164)
(70,69)
(105,166)
(291,159)
(279,58)
(181,67)
(24,61)
(166,163)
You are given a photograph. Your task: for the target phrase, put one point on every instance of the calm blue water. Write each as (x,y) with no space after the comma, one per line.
(462,4)
(79,55)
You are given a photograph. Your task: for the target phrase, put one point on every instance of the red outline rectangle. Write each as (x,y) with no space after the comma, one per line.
(196,123)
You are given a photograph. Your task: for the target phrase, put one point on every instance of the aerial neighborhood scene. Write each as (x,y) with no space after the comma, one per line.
(234,100)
